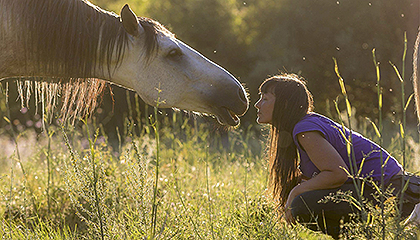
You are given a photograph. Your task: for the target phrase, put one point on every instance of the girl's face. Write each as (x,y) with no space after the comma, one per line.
(265,107)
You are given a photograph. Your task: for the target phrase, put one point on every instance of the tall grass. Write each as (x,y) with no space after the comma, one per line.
(389,212)
(378,131)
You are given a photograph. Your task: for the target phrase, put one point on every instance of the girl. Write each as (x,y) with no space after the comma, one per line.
(308,158)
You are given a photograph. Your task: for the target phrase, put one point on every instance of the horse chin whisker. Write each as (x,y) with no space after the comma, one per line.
(191,113)
(196,114)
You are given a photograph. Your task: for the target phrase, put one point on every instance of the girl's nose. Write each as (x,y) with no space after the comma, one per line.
(257,104)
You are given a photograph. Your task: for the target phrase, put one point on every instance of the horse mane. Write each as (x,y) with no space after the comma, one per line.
(79,97)
(67,40)
(71,37)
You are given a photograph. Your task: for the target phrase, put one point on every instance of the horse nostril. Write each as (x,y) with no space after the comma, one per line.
(242,95)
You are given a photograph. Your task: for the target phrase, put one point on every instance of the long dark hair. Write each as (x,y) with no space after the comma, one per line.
(293,102)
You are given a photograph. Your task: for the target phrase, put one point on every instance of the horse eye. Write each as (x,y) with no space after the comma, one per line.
(176,52)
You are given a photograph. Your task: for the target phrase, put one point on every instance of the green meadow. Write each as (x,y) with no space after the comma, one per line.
(169,176)
(175,183)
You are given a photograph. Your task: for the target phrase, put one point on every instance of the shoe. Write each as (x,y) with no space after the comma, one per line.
(414,216)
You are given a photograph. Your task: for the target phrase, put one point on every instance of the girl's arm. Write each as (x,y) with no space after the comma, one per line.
(326,159)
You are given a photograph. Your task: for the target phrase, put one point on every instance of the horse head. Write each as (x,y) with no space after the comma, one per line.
(177,76)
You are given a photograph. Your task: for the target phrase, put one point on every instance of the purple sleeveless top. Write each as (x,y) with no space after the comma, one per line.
(363,148)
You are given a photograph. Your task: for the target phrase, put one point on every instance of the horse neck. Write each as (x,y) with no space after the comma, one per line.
(52,44)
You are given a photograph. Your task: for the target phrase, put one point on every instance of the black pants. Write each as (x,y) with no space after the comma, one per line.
(326,216)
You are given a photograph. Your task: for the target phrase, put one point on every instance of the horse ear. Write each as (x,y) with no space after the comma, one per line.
(130,22)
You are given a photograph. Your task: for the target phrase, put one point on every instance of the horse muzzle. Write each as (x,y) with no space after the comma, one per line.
(228,109)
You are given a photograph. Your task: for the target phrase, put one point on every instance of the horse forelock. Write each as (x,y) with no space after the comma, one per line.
(152,29)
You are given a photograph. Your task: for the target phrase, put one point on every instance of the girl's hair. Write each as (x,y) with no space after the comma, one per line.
(293,102)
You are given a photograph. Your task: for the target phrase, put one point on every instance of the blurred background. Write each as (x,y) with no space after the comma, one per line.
(255,39)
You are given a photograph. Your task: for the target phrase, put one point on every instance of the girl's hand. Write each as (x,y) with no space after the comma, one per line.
(288,209)
(288,215)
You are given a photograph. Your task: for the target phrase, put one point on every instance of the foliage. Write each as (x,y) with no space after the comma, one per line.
(257,38)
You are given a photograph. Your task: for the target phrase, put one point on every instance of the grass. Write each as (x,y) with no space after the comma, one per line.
(203,191)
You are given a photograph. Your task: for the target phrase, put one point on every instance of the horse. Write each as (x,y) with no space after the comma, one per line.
(79,45)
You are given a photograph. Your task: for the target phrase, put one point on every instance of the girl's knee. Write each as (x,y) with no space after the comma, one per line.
(301,208)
